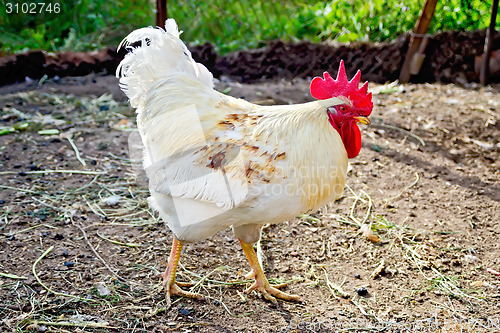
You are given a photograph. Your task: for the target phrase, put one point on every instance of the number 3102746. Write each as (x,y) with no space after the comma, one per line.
(32,8)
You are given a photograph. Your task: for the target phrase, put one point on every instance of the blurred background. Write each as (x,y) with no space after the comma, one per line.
(229,25)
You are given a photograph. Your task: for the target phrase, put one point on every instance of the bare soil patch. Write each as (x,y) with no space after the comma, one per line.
(82,251)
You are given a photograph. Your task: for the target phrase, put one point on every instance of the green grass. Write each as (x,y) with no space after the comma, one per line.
(87,25)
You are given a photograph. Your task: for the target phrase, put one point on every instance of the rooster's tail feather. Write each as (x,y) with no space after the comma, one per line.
(159,54)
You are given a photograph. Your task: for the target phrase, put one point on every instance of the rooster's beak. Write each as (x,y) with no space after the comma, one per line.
(363,120)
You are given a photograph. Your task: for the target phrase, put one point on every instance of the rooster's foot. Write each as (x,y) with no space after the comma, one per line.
(171,286)
(175,290)
(272,292)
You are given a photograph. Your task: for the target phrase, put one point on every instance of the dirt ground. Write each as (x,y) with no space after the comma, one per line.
(80,250)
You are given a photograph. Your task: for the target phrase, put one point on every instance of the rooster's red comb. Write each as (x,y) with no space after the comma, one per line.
(328,88)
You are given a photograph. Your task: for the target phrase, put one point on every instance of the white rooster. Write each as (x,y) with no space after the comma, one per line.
(215,161)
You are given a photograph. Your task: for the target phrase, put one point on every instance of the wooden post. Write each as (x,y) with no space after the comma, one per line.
(485,65)
(161,13)
(420,29)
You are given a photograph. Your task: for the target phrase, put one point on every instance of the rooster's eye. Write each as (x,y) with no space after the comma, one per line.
(342,109)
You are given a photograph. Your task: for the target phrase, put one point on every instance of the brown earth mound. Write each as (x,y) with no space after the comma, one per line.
(450,57)
(36,64)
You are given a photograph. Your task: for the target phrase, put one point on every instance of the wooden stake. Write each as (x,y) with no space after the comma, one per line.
(485,65)
(420,29)
(161,13)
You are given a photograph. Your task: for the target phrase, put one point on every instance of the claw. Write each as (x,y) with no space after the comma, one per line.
(271,292)
(169,284)
(174,289)
(261,284)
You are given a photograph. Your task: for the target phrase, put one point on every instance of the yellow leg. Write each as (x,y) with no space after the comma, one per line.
(261,284)
(169,284)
